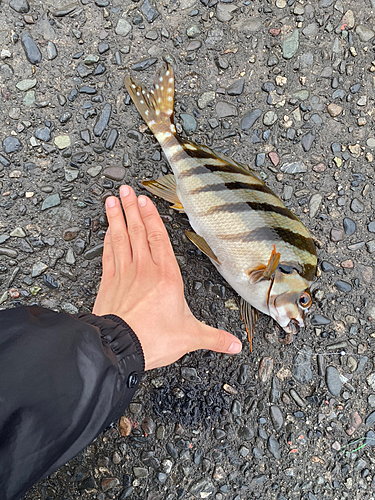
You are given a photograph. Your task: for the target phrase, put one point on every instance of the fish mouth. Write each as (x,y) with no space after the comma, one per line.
(286,335)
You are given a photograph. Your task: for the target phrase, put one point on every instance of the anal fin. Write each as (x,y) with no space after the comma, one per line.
(263,272)
(165,187)
(202,245)
(249,316)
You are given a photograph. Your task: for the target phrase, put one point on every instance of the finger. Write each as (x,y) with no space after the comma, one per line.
(135,225)
(219,340)
(108,259)
(119,235)
(157,236)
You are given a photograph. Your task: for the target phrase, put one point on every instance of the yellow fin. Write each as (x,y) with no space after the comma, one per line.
(263,272)
(202,245)
(165,187)
(249,316)
(156,106)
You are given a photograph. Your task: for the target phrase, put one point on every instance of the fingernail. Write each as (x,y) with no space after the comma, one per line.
(111,201)
(235,348)
(142,200)
(124,191)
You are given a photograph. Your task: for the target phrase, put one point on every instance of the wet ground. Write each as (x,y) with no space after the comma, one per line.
(286,87)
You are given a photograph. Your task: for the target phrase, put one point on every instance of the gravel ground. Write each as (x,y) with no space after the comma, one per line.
(288,88)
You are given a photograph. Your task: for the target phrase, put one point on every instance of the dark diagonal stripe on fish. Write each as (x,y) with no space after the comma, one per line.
(233,186)
(243,206)
(207,168)
(272,234)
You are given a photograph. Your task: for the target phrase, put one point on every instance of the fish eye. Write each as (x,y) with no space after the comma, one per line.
(286,269)
(305,300)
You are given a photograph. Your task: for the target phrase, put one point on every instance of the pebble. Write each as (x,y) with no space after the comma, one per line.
(51,51)
(18,232)
(50,282)
(149,11)
(203,488)
(365,34)
(93,252)
(109,483)
(274,447)
(51,201)
(62,141)
(301,368)
(20,6)
(333,380)
(336,235)
(237,87)
(349,226)
(114,173)
(269,118)
(356,206)
(265,369)
(32,52)
(43,134)
(190,374)
(319,319)
(123,27)
(250,118)
(26,84)
(224,12)
(140,472)
(144,64)
(205,98)
(245,433)
(307,141)
(225,109)
(11,145)
(276,417)
(297,167)
(343,286)
(334,109)
(8,252)
(290,44)
(103,120)
(38,269)
(189,123)
(314,204)
(111,140)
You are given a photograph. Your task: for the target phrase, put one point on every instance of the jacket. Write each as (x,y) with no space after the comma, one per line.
(63,380)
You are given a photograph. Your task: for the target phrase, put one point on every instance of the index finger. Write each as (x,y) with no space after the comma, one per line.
(157,236)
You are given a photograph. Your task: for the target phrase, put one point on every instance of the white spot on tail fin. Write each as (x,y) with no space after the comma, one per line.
(151,123)
(170,90)
(167,73)
(173,128)
(138,94)
(162,88)
(171,80)
(169,98)
(143,92)
(170,111)
(156,86)
(161,79)
(146,112)
(133,85)
(141,101)
(157,112)
(159,100)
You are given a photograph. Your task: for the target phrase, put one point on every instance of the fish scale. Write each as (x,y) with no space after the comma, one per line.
(260,247)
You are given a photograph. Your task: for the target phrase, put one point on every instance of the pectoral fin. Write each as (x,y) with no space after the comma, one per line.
(165,187)
(263,272)
(201,244)
(249,316)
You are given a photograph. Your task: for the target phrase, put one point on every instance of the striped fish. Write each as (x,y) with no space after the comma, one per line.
(259,246)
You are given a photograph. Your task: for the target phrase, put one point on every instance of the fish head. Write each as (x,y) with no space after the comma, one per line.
(289,300)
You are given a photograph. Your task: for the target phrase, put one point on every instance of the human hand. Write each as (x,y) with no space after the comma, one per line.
(142,284)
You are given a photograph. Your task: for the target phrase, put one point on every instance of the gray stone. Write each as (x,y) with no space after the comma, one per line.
(245,433)
(149,11)
(43,134)
(38,269)
(8,252)
(333,380)
(276,417)
(301,368)
(365,34)
(203,488)
(190,374)
(290,44)
(26,84)
(11,145)
(62,141)
(237,87)
(269,118)
(51,51)
(32,52)
(123,27)
(93,252)
(205,98)
(250,118)
(225,109)
(370,245)
(114,173)
(371,227)
(69,257)
(307,141)
(20,6)
(274,447)
(103,120)
(189,123)
(51,201)
(356,206)
(314,204)
(224,11)
(297,167)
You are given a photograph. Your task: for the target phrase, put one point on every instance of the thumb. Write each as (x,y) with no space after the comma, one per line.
(219,340)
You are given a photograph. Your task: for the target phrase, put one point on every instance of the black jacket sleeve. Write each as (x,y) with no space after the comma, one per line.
(63,380)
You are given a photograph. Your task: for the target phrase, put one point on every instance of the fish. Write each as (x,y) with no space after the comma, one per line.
(256,243)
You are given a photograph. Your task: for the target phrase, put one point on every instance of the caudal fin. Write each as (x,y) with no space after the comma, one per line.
(156,106)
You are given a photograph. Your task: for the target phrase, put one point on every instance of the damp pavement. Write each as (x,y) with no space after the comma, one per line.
(285,86)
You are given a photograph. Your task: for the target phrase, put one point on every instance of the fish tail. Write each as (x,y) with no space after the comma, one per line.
(156,106)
